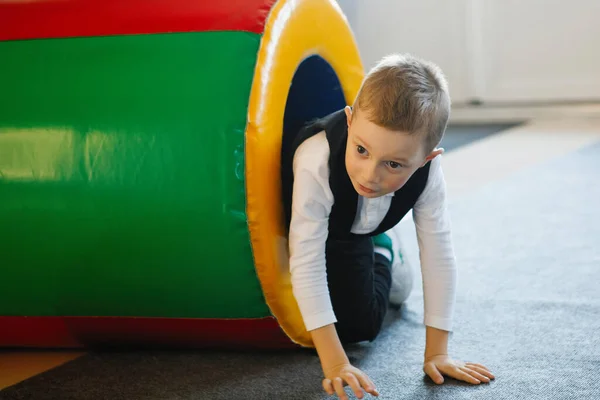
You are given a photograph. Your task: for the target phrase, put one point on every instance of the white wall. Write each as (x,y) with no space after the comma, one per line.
(350,7)
(388,26)
(497,51)
(539,50)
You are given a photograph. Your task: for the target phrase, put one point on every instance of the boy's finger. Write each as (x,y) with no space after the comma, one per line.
(469,364)
(367,384)
(339,388)
(354,384)
(328,386)
(481,369)
(483,372)
(433,373)
(463,376)
(475,374)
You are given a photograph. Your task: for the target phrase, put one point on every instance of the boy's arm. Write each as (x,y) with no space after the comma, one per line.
(311,204)
(436,342)
(436,250)
(438,265)
(328,346)
(308,235)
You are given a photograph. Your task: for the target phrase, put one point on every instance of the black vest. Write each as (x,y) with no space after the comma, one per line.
(343,211)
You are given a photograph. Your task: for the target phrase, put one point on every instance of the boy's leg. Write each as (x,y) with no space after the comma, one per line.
(359,285)
(383,245)
(402,272)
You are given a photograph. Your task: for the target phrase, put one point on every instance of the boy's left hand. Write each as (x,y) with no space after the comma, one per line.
(435,366)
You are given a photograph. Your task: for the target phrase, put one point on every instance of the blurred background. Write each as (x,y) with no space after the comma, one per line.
(495,53)
(521,172)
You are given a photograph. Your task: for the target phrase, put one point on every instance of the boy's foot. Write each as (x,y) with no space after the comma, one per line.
(402,273)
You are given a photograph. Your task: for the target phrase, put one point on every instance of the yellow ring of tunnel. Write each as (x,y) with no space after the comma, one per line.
(294,31)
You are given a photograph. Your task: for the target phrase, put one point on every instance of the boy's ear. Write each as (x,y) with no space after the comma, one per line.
(433,154)
(348,111)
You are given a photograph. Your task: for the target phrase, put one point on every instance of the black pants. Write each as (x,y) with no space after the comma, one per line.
(359,285)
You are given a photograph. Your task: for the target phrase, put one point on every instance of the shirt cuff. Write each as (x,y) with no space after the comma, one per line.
(319,320)
(444,324)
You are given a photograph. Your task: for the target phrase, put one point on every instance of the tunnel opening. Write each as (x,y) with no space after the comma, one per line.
(315,92)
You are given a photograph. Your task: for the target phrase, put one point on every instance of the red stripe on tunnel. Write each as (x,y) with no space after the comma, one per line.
(75,18)
(76,332)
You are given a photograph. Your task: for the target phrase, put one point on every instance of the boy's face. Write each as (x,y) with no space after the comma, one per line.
(380,161)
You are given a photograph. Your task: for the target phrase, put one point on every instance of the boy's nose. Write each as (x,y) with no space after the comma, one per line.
(370,175)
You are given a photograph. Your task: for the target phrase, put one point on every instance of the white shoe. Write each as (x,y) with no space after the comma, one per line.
(402,272)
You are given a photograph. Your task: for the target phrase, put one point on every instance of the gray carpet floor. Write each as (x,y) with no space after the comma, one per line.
(528,307)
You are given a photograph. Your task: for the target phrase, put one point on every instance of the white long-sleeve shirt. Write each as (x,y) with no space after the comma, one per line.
(311,204)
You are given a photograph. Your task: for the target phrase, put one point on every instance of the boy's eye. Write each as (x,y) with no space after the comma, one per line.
(360,149)
(394,165)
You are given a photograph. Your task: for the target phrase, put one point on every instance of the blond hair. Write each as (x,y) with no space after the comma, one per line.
(405,93)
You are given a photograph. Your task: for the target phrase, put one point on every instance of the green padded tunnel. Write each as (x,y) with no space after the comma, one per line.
(139,150)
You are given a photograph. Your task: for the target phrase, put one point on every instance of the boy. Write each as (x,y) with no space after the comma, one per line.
(348,180)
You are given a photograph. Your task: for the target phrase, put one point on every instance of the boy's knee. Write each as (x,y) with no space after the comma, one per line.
(359,329)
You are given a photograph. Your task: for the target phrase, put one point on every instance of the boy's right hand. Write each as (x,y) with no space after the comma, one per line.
(345,374)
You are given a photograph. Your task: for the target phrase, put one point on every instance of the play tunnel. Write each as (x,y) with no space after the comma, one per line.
(140,146)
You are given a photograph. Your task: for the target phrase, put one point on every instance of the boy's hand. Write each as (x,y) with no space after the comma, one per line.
(473,373)
(345,374)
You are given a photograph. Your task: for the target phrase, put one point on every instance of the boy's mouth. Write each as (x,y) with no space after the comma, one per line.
(366,189)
